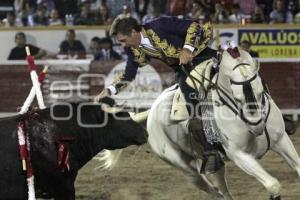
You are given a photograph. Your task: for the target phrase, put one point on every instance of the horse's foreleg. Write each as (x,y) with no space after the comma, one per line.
(286,149)
(218,181)
(202,184)
(248,164)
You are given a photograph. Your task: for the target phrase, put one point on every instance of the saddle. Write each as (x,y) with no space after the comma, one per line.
(202,73)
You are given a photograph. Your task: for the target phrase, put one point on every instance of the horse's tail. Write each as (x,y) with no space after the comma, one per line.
(108,159)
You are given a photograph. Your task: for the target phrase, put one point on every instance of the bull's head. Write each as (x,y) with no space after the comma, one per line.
(124,130)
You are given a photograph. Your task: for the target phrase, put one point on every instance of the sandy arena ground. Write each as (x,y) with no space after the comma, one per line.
(141,175)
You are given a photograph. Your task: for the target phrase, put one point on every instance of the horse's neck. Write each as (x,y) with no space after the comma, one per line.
(221,82)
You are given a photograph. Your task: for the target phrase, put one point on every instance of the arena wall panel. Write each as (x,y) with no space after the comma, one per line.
(283,79)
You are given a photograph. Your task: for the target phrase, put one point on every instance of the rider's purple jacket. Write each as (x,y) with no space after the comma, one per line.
(168,35)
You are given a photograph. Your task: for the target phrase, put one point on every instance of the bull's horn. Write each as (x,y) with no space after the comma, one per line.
(109,109)
(139,117)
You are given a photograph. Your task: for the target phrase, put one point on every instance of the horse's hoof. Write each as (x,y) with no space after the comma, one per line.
(275,198)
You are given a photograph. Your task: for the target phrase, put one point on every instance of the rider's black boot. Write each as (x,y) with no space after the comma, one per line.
(212,160)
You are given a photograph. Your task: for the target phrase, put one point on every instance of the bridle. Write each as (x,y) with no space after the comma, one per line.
(226,99)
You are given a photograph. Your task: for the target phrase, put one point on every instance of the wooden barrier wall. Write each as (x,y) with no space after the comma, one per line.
(283,80)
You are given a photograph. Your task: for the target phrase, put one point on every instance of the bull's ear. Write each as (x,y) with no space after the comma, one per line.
(107,100)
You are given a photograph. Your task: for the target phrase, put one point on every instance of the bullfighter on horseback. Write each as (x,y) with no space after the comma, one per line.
(176,42)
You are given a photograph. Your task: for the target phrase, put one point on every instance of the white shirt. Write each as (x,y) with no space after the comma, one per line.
(145,42)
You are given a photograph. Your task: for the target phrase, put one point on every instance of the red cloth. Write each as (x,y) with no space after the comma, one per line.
(23,151)
(22,148)
(234,52)
(42,77)
(29,167)
(31,64)
(63,153)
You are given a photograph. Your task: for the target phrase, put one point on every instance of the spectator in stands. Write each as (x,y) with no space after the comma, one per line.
(128,12)
(160,6)
(266,6)
(49,4)
(280,14)
(297,18)
(66,7)
(107,53)
(236,15)
(11,20)
(227,4)
(18,6)
(220,16)
(19,52)
(141,7)
(40,18)
(208,5)
(180,8)
(292,6)
(247,6)
(103,16)
(26,12)
(54,18)
(71,46)
(95,47)
(246,46)
(85,17)
(152,14)
(95,4)
(258,15)
(198,13)
(116,6)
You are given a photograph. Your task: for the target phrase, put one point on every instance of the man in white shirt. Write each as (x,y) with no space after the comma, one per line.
(176,42)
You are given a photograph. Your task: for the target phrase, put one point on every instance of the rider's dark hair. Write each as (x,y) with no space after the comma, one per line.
(125,26)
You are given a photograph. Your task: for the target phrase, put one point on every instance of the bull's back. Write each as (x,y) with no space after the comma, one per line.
(13,180)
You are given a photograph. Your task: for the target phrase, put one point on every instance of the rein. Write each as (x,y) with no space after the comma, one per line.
(234,107)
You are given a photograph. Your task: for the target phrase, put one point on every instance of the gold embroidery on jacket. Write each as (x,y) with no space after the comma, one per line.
(168,49)
(204,40)
(155,52)
(191,34)
(139,56)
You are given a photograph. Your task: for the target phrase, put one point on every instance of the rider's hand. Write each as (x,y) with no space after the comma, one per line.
(185,56)
(105,93)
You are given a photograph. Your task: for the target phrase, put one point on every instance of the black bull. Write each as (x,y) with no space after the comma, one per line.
(44,133)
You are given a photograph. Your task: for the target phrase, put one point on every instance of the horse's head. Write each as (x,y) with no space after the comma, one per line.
(238,74)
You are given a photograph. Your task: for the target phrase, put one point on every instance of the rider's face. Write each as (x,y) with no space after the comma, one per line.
(132,40)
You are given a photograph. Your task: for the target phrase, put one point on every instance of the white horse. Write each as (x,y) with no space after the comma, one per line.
(248,120)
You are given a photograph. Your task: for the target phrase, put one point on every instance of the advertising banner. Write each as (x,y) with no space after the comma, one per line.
(273,43)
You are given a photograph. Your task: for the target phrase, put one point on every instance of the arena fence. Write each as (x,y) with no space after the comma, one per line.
(80,80)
